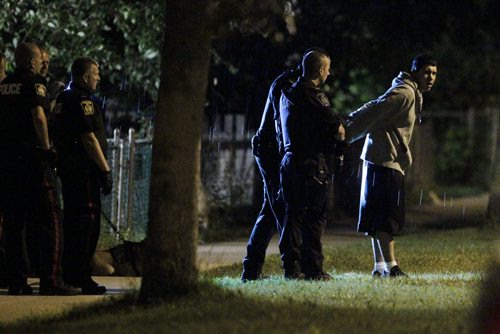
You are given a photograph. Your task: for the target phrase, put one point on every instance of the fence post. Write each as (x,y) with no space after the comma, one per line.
(115,167)
(120,186)
(131,175)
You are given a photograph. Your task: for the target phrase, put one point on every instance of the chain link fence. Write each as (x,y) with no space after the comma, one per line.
(128,204)
(227,176)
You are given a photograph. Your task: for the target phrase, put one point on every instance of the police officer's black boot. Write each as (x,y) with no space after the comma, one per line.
(90,287)
(58,288)
(293,271)
(252,275)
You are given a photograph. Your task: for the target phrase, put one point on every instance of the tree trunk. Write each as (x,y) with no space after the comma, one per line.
(170,254)
(493,213)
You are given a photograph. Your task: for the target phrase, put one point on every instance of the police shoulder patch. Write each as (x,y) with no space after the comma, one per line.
(40,89)
(88,107)
(323,99)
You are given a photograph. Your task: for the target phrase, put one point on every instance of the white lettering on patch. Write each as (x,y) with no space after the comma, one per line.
(11,89)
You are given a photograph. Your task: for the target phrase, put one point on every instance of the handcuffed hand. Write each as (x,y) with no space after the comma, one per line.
(340,136)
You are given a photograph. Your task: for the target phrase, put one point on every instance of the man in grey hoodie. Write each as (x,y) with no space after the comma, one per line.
(387,122)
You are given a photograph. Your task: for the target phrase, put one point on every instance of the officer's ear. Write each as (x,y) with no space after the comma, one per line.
(32,63)
(85,77)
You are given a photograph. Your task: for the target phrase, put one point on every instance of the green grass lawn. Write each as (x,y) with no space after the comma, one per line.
(446,270)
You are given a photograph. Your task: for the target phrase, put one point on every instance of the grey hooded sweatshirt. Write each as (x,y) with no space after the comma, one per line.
(387,122)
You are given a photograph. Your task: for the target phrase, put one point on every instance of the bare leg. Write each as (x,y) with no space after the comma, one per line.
(386,243)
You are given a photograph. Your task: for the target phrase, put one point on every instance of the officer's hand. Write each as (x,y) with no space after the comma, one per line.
(340,136)
(106,182)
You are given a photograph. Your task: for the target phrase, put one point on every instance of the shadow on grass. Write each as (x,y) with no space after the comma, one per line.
(214,310)
(425,251)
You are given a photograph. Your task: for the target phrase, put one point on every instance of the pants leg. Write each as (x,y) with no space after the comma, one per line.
(47,228)
(82,207)
(291,240)
(14,200)
(20,179)
(258,242)
(15,250)
(267,221)
(312,249)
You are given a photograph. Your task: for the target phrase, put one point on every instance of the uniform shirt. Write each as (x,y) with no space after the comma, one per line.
(269,131)
(308,124)
(47,99)
(388,123)
(76,113)
(20,92)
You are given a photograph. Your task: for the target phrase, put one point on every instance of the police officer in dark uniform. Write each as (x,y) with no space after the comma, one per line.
(81,143)
(266,150)
(31,237)
(3,269)
(27,180)
(310,133)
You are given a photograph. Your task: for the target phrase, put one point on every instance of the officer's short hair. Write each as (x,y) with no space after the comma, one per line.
(421,60)
(43,49)
(81,66)
(316,48)
(312,62)
(24,53)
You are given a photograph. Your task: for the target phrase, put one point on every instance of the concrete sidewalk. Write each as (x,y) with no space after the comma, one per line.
(23,307)
(209,256)
(226,253)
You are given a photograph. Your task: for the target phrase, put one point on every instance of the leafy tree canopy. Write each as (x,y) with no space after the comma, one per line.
(123,35)
(370,41)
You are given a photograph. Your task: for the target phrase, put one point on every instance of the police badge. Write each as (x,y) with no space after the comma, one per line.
(88,107)
(40,89)
(323,99)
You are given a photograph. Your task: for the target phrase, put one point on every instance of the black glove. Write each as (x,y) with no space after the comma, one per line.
(106,182)
(256,146)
